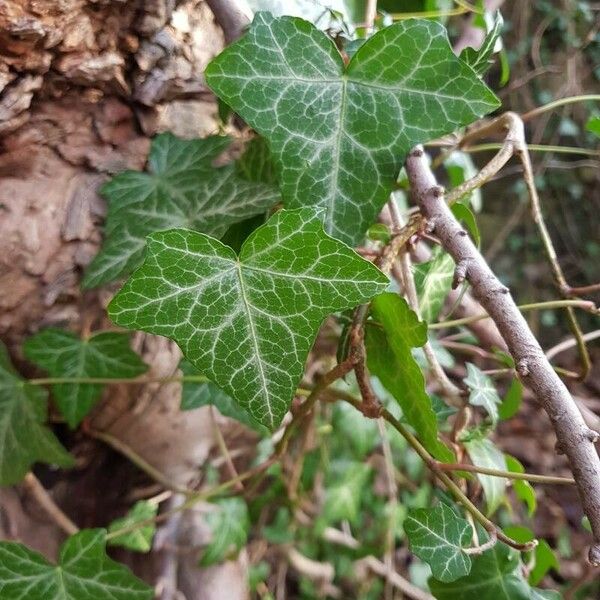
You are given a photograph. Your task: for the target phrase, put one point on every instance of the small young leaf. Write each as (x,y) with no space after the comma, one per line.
(24,439)
(511,401)
(288,81)
(247,322)
(484,453)
(389,357)
(523,489)
(194,395)
(480,60)
(460,168)
(83,571)
(463,213)
(139,540)
(63,354)
(438,536)
(593,125)
(343,498)
(482,391)
(433,280)
(495,575)
(180,189)
(229,525)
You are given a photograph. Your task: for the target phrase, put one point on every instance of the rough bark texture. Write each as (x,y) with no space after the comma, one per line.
(575,439)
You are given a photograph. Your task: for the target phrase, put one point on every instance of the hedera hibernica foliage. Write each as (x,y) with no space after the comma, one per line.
(339,134)
(181,188)
(247,322)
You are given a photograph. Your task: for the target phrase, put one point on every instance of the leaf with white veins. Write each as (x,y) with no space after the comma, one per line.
(482,391)
(339,134)
(247,322)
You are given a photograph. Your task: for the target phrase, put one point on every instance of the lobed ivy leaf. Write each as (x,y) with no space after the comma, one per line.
(339,134)
(247,322)
(495,575)
(83,572)
(181,188)
(482,391)
(438,536)
(194,395)
(343,496)
(229,524)
(433,280)
(480,60)
(139,540)
(389,357)
(105,355)
(24,439)
(483,453)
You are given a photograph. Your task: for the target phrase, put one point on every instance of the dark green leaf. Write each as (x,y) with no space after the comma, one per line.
(256,163)
(24,439)
(438,536)
(523,489)
(181,188)
(480,60)
(463,213)
(63,354)
(139,540)
(512,400)
(84,572)
(389,357)
(339,134)
(247,322)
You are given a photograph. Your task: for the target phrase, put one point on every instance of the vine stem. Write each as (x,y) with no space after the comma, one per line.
(535,148)
(558,103)
(587,305)
(548,479)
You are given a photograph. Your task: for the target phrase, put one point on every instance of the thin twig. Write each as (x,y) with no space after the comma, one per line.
(239,486)
(33,485)
(548,479)
(571,343)
(557,103)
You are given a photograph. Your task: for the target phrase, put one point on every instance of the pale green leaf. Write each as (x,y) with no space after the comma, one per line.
(197,394)
(460,168)
(139,540)
(343,496)
(229,524)
(180,188)
(24,439)
(105,355)
(433,280)
(482,391)
(438,536)
(339,134)
(480,60)
(389,342)
(84,572)
(483,453)
(495,575)
(247,322)
(523,489)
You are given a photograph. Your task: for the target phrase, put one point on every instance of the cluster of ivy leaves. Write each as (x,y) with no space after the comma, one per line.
(240,265)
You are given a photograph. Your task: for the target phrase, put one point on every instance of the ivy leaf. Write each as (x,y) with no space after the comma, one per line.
(483,453)
(139,540)
(24,439)
(389,357)
(438,536)
(83,571)
(593,125)
(256,164)
(464,214)
(480,60)
(339,134)
(343,497)
(482,391)
(195,395)
(460,167)
(495,575)
(229,525)
(433,280)
(511,401)
(523,489)
(181,188)
(247,322)
(105,355)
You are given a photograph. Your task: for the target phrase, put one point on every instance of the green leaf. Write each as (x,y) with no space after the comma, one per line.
(339,134)
(463,213)
(139,540)
(593,125)
(511,401)
(194,395)
(83,572)
(460,168)
(343,497)
(480,60)
(433,280)
(523,489)
(482,391)
(63,354)
(389,357)
(24,439)
(256,164)
(483,453)
(229,525)
(438,536)
(181,188)
(247,322)
(495,575)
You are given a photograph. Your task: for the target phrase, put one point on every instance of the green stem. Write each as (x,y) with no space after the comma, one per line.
(557,103)
(536,148)
(583,304)
(108,380)
(549,479)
